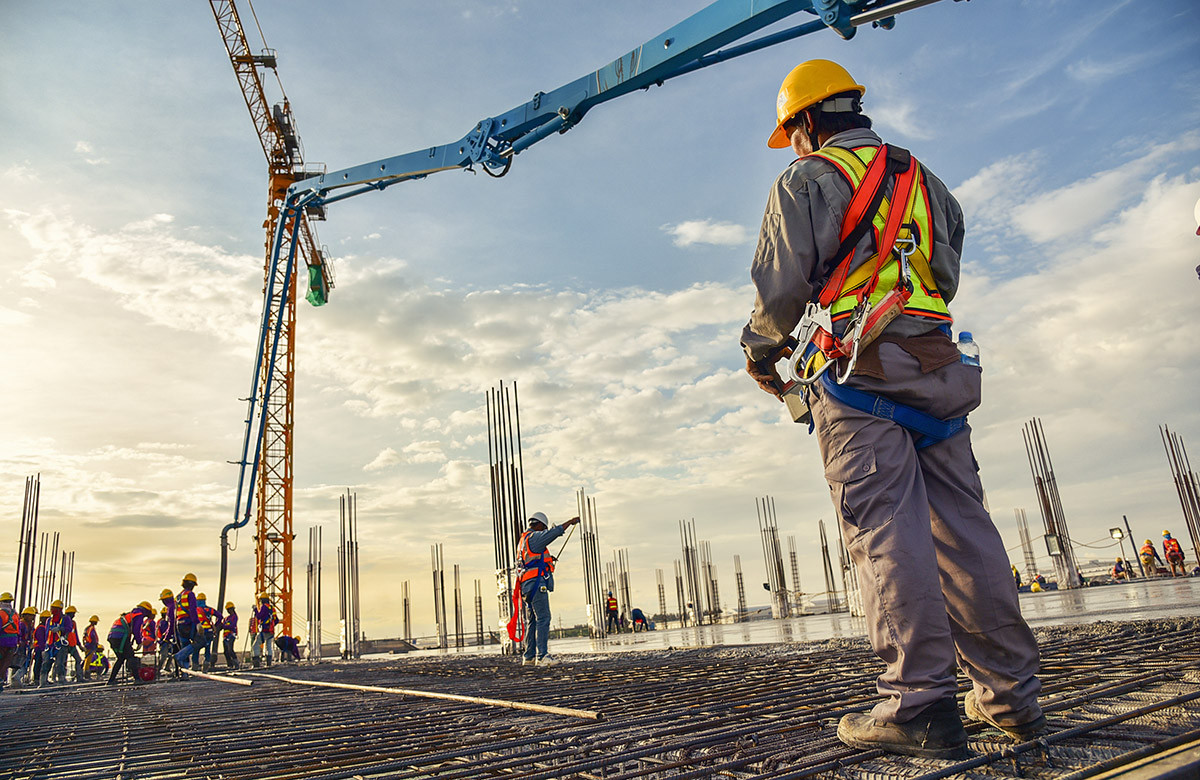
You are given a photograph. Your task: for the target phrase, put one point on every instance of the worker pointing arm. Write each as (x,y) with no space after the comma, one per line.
(536,582)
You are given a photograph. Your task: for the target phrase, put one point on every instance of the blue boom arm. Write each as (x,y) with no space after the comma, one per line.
(690,45)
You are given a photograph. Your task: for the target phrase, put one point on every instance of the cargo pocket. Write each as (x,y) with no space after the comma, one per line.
(853,490)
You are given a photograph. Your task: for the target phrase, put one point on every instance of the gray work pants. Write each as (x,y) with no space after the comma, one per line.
(935,579)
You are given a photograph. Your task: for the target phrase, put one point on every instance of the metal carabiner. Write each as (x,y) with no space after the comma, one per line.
(860,319)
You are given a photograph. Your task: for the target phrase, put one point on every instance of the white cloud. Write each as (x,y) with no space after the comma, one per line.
(706,231)
(84,149)
(904,118)
(21,173)
(386,457)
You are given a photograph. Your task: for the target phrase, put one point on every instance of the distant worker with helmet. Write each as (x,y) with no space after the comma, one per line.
(93,654)
(10,636)
(263,627)
(1174,554)
(1121,570)
(860,247)
(41,636)
(536,582)
(612,613)
(1151,562)
(188,634)
(54,628)
(204,631)
(164,631)
(124,635)
(68,646)
(25,646)
(230,625)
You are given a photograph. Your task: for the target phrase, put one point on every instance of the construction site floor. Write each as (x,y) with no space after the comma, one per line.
(1122,700)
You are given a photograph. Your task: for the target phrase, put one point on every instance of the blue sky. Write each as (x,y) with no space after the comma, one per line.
(607,274)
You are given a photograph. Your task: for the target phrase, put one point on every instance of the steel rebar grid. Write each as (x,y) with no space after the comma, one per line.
(764,712)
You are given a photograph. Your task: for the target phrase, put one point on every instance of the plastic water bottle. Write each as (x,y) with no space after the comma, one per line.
(968,348)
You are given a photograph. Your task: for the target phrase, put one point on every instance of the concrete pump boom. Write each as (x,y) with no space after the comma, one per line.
(492,144)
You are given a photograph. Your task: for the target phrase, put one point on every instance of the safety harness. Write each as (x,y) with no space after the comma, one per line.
(536,567)
(897,280)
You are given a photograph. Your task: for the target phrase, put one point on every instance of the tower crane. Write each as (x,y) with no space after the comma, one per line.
(285,165)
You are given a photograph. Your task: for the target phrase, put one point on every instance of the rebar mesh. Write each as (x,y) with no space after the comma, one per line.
(1114,691)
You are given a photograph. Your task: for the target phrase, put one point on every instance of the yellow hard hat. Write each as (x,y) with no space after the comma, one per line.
(229,605)
(166,594)
(45,613)
(29,611)
(189,577)
(56,603)
(146,606)
(263,597)
(1166,533)
(94,619)
(1119,559)
(6,596)
(202,596)
(808,84)
(71,610)
(1148,542)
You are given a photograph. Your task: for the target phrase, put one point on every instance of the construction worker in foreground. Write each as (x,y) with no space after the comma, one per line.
(123,638)
(229,625)
(537,583)
(69,646)
(1174,554)
(852,216)
(263,629)
(1150,560)
(10,636)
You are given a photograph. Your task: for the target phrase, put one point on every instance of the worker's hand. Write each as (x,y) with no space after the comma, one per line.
(763,371)
(571,522)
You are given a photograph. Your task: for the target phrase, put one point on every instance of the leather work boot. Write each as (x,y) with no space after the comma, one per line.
(1022,732)
(935,733)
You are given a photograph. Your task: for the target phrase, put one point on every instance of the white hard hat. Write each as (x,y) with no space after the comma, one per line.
(539,517)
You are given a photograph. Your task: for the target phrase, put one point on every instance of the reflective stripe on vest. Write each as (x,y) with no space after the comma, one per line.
(1171,547)
(925,301)
(535,564)
(124,624)
(611,604)
(183,603)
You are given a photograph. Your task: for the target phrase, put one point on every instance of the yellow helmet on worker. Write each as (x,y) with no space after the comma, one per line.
(44,613)
(1166,533)
(6,596)
(808,84)
(166,594)
(71,610)
(145,605)
(56,603)
(189,577)
(229,605)
(29,611)
(94,619)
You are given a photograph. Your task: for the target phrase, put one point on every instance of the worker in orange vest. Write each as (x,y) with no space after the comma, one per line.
(53,637)
(1150,560)
(187,624)
(536,583)
(10,635)
(612,617)
(262,626)
(123,638)
(1173,553)
(70,633)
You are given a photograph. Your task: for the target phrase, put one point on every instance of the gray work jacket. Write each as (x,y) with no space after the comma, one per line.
(539,541)
(800,235)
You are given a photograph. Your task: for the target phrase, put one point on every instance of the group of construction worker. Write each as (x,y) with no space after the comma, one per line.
(1152,564)
(35,647)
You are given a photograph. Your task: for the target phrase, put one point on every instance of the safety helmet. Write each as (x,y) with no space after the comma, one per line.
(189,577)
(6,596)
(56,603)
(263,597)
(166,594)
(202,597)
(808,84)
(145,605)
(94,619)
(71,610)
(1148,542)
(539,517)
(1167,534)
(229,605)
(44,613)
(29,611)
(1120,559)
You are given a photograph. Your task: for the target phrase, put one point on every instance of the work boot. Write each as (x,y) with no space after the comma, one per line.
(254,662)
(547,660)
(1020,732)
(937,732)
(528,662)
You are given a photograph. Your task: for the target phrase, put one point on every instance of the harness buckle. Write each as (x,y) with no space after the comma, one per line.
(816,319)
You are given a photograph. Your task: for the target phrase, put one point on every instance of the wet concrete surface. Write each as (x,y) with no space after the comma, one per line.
(1138,600)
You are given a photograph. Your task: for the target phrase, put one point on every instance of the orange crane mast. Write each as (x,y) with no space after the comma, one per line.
(273,535)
